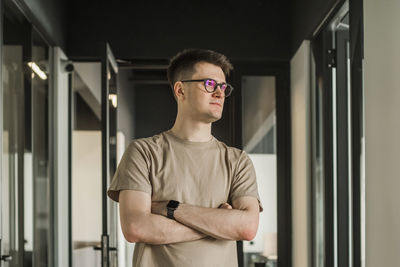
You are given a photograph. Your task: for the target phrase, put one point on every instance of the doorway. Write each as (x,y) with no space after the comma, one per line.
(95,234)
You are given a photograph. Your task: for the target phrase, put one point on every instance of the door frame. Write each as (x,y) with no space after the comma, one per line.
(107,60)
(343,245)
(105,56)
(281,71)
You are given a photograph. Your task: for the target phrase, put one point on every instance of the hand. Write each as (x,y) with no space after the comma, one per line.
(159,207)
(225,206)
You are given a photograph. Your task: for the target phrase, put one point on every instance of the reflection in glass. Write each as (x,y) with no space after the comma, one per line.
(318,185)
(112,206)
(13,87)
(259,141)
(40,182)
(25,156)
(26,198)
(331,145)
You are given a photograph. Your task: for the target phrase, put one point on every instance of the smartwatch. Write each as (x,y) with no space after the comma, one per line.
(171,207)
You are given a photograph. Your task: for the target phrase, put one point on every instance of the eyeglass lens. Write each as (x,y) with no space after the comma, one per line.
(211,86)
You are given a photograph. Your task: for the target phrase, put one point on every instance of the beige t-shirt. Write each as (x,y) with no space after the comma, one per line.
(199,173)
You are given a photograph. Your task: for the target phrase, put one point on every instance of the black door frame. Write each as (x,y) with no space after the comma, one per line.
(343,178)
(281,71)
(356,56)
(356,59)
(107,61)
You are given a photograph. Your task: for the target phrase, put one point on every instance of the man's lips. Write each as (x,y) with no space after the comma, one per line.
(216,104)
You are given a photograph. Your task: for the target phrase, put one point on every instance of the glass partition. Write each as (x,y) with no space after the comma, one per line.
(26,197)
(40,181)
(94,160)
(13,135)
(332,145)
(259,141)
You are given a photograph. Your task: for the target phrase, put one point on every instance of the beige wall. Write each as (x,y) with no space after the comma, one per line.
(86,186)
(61,169)
(300,104)
(382,132)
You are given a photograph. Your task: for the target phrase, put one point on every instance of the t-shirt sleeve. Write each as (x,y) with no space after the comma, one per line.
(245,180)
(132,172)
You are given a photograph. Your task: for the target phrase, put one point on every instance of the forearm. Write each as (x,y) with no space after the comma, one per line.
(229,224)
(156,229)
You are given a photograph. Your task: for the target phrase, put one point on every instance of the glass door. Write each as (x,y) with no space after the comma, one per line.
(259,141)
(322,145)
(38,219)
(26,178)
(15,50)
(332,178)
(94,160)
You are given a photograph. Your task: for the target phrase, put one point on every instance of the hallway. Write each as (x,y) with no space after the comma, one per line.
(314,106)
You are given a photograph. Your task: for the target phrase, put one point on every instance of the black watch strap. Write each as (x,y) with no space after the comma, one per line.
(170,213)
(171,207)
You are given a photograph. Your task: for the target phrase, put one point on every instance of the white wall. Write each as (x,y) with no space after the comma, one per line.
(265,167)
(382,131)
(300,114)
(86,186)
(61,145)
(90,72)
(87,198)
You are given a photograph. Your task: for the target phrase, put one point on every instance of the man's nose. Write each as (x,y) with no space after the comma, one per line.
(218,92)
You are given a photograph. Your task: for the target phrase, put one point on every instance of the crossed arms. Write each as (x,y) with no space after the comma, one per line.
(145,221)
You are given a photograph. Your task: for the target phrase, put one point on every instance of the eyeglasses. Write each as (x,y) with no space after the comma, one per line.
(211,86)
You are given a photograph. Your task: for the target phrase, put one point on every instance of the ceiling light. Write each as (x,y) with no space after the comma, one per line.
(37,70)
(113,98)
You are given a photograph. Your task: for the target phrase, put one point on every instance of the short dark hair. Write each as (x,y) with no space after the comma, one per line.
(183,63)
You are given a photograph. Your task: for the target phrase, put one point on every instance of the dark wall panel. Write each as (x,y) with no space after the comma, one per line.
(306,16)
(49,17)
(126,105)
(155,109)
(254,30)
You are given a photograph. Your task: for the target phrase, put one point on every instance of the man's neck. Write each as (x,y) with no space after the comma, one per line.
(192,131)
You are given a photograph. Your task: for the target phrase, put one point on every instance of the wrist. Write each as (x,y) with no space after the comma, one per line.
(179,211)
(172,205)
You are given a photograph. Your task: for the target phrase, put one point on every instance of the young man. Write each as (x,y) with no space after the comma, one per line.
(184,196)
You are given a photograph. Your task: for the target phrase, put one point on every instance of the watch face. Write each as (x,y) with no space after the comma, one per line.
(173,204)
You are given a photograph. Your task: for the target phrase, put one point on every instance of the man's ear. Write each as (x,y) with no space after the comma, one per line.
(178,90)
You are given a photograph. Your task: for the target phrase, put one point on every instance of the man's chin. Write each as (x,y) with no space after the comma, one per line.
(214,118)
(210,117)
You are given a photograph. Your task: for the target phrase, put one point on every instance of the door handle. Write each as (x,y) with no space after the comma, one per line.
(6,258)
(99,248)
